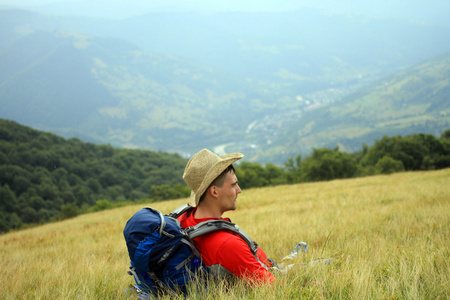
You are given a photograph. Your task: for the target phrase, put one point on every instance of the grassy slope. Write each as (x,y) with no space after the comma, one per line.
(389,234)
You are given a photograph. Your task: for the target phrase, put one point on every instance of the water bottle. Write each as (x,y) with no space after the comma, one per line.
(300,247)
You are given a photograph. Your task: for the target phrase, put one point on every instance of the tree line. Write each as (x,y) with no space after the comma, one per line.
(387,155)
(44,177)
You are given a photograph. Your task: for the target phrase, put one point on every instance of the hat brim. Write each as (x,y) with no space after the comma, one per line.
(213,173)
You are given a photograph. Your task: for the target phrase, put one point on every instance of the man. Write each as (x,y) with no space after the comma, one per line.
(214,191)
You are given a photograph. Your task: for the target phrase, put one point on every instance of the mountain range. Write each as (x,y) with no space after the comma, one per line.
(269,85)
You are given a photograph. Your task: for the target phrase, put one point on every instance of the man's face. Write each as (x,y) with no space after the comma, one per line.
(227,194)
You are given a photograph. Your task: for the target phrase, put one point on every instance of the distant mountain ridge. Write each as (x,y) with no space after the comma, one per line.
(212,81)
(306,42)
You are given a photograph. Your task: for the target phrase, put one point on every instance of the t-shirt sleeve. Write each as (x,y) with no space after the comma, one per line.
(236,257)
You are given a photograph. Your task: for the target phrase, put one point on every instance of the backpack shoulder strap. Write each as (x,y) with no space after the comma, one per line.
(221,225)
(186,208)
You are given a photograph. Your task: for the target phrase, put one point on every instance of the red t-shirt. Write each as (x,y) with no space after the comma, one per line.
(231,252)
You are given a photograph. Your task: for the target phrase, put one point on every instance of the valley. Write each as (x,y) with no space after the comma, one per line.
(149,82)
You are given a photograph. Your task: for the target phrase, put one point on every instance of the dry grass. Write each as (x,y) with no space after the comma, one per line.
(388,234)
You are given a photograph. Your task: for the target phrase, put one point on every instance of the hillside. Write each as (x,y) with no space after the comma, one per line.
(108,91)
(413,100)
(44,177)
(389,235)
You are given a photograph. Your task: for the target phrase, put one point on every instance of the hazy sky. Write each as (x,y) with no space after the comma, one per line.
(405,9)
(244,5)
(197,5)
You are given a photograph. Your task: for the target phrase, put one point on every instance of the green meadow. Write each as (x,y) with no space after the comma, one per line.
(389,236)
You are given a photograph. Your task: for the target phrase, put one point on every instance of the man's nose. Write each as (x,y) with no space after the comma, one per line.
(239,189)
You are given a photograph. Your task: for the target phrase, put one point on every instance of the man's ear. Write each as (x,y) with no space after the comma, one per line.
(212,190)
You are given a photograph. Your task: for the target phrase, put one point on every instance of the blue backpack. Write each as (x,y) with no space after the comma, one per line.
(163,256)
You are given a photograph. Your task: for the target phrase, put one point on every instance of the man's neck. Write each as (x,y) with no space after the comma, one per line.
(204,211)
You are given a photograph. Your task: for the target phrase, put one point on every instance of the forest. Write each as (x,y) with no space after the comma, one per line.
(45,178)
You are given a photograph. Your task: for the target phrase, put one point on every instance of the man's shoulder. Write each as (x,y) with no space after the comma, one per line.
(223,240)
(219,237)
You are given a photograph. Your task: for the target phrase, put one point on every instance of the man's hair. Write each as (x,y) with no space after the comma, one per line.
(219,181)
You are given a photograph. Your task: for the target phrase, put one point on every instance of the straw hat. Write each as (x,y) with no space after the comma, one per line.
(203,168)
